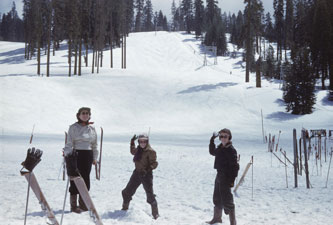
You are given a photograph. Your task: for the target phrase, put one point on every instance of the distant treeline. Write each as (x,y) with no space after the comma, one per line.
(11,26)
(301,30)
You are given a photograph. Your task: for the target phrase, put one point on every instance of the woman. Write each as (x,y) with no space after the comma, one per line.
(82,139)
(227,170)
(145,163)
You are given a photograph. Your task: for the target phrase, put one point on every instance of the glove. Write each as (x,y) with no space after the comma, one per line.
(134,137)
(71,164)
(32,159)
(213,137)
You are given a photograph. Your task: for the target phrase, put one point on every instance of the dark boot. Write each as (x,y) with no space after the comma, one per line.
(217,218)
(82,206)
(154,210)
(73,202)
(125,206)
(232,217)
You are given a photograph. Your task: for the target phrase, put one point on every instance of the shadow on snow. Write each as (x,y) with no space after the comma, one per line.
(13,57)
(206,87)
(282,116)
(117,214)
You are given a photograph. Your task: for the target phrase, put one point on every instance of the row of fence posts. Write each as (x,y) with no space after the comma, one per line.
(303,148)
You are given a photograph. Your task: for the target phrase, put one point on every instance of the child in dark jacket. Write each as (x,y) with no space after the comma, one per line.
(227,170)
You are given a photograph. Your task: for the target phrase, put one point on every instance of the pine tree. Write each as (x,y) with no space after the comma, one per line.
(198,17)
(269,30)
(174,24)
(300,82)
(139,4)
(165,24)
(330,7)
(278,15)
(237,36)
(269,64)
(320,43)
(58,29)
(187,13)
(11,26)
(288,27)
(248,35)
(212,11)
(148,16)
(215,36)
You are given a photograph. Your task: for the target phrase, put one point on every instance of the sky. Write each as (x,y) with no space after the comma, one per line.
(232,6)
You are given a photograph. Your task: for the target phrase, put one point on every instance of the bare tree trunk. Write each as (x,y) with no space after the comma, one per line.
(86,46)
(125,52)
(111,53)
(101,58)
(323,77)
(75,60)
(264,49)
(96,61)
(257,45)
(258,77)
(285,51)
(93,60)
(69,57)
(25,49)
(122,51)
(28,51)
(54,47)
(331,74)
(280,51)
(80,56)
(48,52)
(98,58)
(38,56)
(111,44)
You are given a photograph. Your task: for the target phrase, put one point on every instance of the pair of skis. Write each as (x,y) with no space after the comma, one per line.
(82,188)
(79,182)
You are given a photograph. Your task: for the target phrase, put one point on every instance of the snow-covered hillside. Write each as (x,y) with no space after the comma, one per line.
(165,88)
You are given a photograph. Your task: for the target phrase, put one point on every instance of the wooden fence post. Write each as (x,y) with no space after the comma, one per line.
(295,156)
(300,155)
(306,159)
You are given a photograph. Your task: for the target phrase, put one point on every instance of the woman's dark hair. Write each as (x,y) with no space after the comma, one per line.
(79,112)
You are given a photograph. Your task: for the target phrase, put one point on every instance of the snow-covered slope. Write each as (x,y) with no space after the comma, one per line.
(165,88)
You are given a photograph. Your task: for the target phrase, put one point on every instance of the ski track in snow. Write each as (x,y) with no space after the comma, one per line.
(165,87)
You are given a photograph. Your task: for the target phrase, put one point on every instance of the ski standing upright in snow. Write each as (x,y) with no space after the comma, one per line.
(99,162)
(32,159)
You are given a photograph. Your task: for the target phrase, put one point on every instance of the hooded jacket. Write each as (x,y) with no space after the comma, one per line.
(147,160)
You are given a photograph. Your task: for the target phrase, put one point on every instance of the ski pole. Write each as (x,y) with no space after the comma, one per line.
(32,134)
(63,162)
(60,170)
(26,204)
(329,167)
(63,207)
